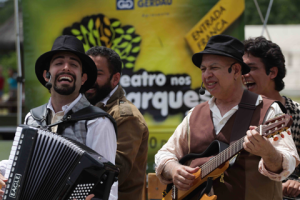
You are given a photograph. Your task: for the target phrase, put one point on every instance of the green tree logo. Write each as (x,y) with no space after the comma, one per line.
(98,30)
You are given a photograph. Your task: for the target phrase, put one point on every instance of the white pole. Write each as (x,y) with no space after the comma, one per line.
(261,18)
(267,16)
(19,95)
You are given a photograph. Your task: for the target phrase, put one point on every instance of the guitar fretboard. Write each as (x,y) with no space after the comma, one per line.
(224,156)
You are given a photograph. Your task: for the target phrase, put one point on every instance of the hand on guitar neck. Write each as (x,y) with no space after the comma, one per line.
(256,144)
(187,179)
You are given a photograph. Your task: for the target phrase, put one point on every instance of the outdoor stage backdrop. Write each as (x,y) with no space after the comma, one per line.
(155,40)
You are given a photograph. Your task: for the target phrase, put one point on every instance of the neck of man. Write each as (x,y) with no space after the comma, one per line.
(275,95)
(58,100)
(231,99)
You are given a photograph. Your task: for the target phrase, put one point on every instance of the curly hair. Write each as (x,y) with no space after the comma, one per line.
(113,59)
(271,56)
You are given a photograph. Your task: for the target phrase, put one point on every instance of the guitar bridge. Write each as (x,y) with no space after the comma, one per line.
(222,178)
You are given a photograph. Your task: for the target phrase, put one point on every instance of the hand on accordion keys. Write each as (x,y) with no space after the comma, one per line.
(87,198)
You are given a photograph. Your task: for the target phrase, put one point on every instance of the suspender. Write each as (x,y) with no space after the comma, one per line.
(243,115)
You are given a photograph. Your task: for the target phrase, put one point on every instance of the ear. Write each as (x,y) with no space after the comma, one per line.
(44,75)
(115,79)
(83,78)
(273,72)
(237,69)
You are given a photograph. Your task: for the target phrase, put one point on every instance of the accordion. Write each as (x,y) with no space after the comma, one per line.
(46,166)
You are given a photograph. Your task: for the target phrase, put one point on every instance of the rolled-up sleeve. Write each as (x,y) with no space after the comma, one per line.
(284,145)
(176,147)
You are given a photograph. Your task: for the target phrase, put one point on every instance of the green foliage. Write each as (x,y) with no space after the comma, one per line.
(5,147)
(282,12)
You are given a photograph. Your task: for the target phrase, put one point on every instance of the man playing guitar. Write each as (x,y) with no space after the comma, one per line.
(257,172)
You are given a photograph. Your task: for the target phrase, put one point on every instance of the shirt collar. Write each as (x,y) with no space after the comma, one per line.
(105,100)
(65,108)
(212,103)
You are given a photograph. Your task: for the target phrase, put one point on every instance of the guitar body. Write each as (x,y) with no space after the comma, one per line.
(214,148)
(205,197)
(221,154)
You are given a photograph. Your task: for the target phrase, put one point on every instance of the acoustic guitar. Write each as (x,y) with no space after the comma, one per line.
(216,166)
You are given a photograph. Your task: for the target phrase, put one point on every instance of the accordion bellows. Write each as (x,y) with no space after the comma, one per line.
(48,166)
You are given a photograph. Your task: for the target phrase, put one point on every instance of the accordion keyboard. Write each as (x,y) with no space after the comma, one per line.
(13,151)
(44,165)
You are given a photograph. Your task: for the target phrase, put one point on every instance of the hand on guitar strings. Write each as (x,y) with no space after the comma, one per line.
(182,176)
(261,146)
(291,188)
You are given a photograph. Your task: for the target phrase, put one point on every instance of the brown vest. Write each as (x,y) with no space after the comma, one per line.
(242,180)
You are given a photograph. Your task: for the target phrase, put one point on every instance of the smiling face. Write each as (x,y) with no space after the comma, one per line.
(66,73)
(105,82)
(215,76)
(257,80)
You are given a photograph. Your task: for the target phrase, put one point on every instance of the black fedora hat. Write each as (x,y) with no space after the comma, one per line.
(223,45)
(70,44)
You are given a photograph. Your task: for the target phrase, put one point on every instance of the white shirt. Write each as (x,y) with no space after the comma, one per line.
(178,144)
(105,100)
(101,137)
(219,120)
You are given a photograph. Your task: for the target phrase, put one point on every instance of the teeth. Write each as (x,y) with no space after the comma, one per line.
(210,83)
(65,77)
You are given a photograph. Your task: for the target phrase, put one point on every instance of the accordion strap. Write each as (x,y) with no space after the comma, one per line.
(40,114)
(88,113)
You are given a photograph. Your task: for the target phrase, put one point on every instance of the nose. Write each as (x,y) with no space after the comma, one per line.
(246,75)
(66,67)
(206,74)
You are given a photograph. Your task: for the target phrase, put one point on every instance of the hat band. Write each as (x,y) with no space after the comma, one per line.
(67,49)
(225,50)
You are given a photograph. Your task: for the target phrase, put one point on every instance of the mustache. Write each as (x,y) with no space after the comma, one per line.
(95,86)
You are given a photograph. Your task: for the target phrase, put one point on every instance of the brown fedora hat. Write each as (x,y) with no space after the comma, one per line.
(70,44)
(223,45)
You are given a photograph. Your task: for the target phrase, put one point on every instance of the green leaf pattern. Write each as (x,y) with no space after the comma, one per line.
(105,32)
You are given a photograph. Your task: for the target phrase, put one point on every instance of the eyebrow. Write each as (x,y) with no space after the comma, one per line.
(72,58)
(209,65)
(251,63)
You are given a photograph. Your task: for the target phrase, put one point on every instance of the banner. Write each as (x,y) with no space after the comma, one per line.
(155,40)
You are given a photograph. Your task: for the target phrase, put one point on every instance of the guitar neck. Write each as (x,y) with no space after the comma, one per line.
(222,157)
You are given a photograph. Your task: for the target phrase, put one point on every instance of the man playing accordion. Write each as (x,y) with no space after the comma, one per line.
(67,73)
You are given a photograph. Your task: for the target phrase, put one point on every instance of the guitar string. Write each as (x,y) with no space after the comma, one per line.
(225,155)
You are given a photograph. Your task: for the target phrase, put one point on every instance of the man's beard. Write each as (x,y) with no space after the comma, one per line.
(63,90)
(100,93)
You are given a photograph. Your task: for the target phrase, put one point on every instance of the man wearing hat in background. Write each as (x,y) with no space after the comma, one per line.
(257,172)
(67,73)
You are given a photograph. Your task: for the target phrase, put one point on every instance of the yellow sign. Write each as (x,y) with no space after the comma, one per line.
(216,21)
